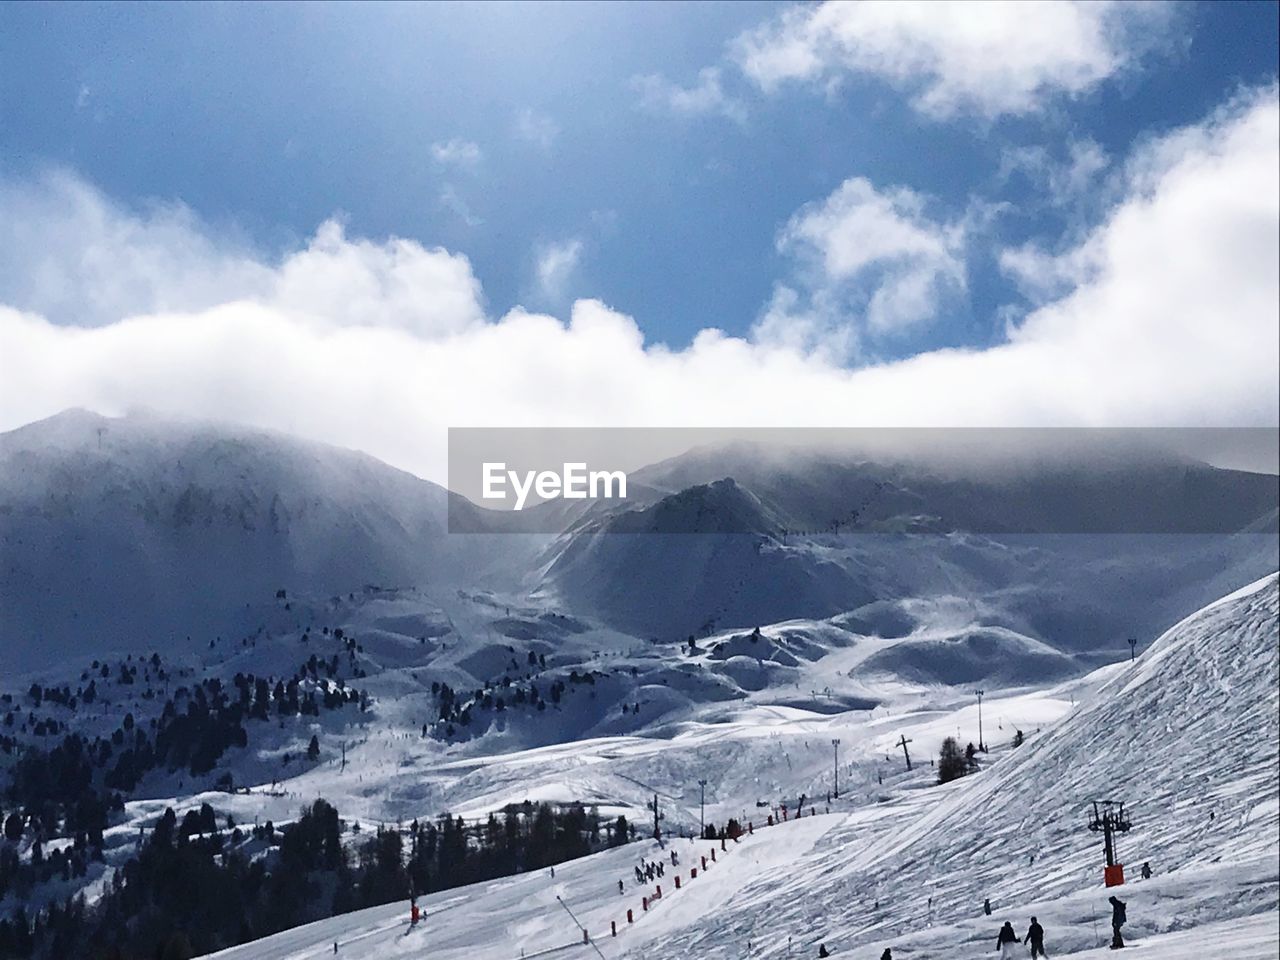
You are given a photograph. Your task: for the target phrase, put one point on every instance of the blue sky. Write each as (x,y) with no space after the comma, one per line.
(273,118)
(830,180)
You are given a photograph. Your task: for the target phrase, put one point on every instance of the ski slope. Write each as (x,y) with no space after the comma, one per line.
(1188,736)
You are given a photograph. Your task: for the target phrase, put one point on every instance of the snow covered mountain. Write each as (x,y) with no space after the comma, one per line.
(126,533)
(343,646)
(122,534)
(1187,736)
(1067,552)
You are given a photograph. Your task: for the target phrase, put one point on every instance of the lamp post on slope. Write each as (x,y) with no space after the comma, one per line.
(981,745)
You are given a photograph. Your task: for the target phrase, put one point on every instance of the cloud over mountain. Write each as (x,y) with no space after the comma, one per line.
(1166,317)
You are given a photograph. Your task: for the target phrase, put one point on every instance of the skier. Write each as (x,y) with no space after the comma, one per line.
(1035,938)
(986,906)
(822,950)
(621,888)
(1146,870)
(887,955)
(1117,921)
(1006,941)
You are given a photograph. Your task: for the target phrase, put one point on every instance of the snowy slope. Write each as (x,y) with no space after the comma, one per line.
(1190,729)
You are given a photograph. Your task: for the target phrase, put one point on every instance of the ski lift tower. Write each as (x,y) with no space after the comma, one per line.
(1109,819)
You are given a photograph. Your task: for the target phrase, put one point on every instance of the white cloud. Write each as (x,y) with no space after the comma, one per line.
(1175,324)
(706,97)
(457,152)
(337,282)
(1042,276)
(452,201)
(1066,180)
(536,128)
(70,254)
(554,266)
(870,260)
(984,57)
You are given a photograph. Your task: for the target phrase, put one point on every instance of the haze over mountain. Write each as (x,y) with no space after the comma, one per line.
(121,533)
(1072,551)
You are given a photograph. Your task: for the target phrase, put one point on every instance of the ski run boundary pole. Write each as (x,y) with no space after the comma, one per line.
(585,936)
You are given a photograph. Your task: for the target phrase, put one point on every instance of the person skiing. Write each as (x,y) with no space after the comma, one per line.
(887,955)
(1035,939)
(1006,942)
(1118,919)
(1146,870)
(621,888)
(822,950)
(986,906)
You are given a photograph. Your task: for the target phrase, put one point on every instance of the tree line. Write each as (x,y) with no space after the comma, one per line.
(197,885)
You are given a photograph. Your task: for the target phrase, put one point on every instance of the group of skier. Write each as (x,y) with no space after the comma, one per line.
(648,871)
(1034,939)
(1007,940)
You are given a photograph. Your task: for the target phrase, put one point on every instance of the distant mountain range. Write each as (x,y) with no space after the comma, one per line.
(129,532)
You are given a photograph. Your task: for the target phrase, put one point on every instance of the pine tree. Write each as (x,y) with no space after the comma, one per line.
(951,761)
